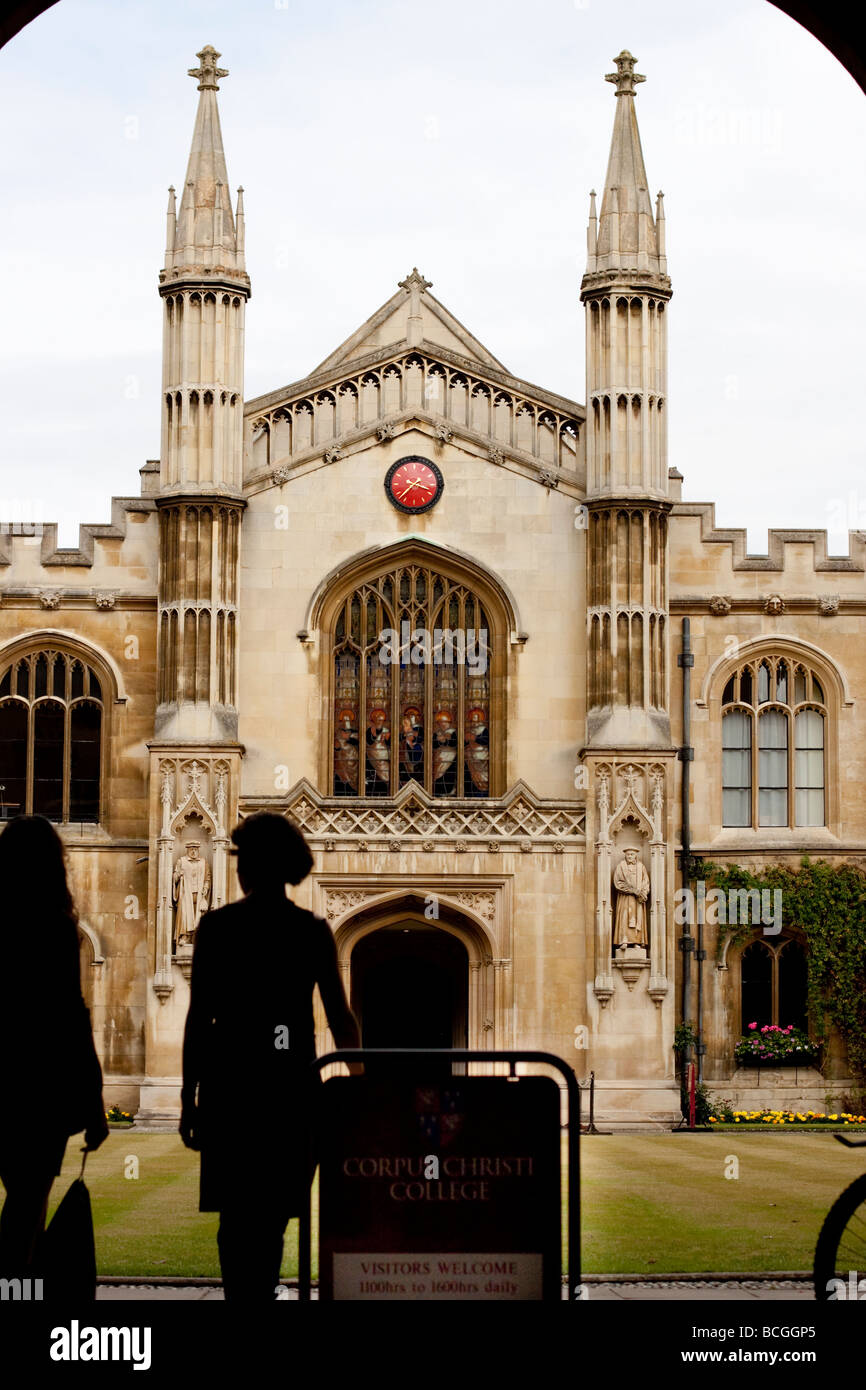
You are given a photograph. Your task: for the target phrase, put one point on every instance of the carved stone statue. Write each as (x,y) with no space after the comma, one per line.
(631,881)
(191,891)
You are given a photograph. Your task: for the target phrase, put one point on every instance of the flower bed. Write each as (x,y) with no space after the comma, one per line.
(115,1116)
(843,1120)
(775,1046)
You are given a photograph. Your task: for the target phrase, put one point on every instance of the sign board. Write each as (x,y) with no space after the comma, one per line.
(447,1189)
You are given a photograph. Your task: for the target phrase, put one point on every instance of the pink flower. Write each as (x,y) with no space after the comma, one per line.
(753,1025)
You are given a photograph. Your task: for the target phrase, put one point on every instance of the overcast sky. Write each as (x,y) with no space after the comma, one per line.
(461,137)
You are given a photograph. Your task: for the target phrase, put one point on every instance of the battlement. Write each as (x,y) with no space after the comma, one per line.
(777,540)
(51,554)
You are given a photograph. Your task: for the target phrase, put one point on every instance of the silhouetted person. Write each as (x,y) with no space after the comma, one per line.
(50,1077)
(248,1094)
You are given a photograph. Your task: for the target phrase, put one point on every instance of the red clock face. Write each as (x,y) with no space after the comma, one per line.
(413,484)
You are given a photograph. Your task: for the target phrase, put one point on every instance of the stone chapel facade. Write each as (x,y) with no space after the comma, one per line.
(434,613)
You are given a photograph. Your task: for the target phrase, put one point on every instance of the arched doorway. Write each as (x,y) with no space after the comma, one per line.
(436,926)
(410,986)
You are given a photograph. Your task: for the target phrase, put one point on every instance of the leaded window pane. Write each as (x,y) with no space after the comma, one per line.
(773,769)
(809,767)
(85,729)
(13,759)
(48,734)
(736,768)
(412,687)
(756,975)
(36,776)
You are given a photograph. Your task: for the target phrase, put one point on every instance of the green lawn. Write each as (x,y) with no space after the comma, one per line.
(651,1203)
(657,1203)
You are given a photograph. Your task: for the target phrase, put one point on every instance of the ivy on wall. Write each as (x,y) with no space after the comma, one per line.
(827,903)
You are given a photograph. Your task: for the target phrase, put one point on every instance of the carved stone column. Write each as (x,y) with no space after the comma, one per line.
(221,841)
(163,982)
(502,992)
(658,984)
(603,986)
(475,1036)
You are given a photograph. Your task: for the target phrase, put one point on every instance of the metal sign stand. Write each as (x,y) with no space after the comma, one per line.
(453,1054)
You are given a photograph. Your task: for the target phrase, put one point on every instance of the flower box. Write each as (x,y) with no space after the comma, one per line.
(789,1059)
(773,1046)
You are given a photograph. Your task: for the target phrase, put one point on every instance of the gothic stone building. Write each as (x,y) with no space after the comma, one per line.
(434,613)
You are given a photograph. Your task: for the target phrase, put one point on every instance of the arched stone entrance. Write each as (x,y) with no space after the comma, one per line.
(410,986)
(422,952)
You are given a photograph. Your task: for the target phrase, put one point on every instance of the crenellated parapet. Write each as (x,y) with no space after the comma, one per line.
(778,541)
(26,535)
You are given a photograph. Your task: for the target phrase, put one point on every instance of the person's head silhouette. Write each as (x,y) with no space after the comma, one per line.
(271,852)
(33,867)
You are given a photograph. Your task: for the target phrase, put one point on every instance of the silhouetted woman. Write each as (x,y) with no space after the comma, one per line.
(247,1097)
(50,1077)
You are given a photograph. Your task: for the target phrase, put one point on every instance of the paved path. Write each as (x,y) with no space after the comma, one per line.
(675,1291)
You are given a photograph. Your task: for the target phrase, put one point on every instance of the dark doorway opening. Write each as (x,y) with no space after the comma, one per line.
(410,987)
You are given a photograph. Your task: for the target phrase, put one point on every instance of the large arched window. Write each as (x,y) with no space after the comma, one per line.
(414,653)
(773,980)
(51,730)
(773,745)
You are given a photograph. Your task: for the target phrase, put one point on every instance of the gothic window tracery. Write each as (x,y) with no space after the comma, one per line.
(774,731)
(773,984)
(412,662)
(51,737)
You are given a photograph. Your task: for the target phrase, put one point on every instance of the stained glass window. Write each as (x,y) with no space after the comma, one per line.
(412,655)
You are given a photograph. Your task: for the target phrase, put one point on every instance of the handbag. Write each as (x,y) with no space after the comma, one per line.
(68,1251)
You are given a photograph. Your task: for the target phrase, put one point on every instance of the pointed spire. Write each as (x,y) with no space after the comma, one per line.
(626,230)
(660,232)
(591,233)
(170,222)
(240,223)
(205,236)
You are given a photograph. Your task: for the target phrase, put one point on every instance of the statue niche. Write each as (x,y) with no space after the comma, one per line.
(631,931)
(190,892)
(632,887)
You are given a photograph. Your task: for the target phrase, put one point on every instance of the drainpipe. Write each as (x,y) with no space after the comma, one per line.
(686,661)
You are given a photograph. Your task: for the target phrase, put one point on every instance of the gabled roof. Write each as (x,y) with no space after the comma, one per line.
(409,316)
(327,376)
(414,356)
